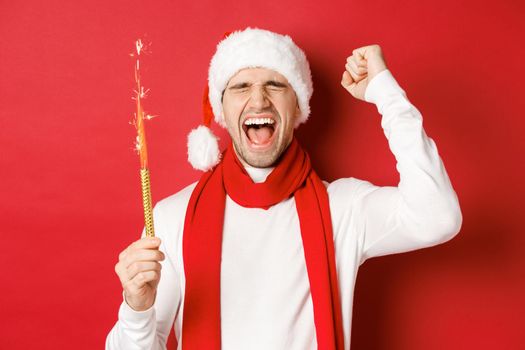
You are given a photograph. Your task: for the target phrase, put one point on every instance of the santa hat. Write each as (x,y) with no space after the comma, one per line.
(251,47)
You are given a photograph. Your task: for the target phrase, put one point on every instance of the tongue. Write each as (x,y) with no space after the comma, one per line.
(261,135)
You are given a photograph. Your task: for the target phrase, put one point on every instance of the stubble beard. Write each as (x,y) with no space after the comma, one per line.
(259,160)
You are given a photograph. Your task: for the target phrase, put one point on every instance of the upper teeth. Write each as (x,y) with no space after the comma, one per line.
(258,121)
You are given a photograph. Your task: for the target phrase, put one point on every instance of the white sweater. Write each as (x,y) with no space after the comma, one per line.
(265,293)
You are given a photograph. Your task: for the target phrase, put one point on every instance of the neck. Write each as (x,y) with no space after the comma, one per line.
(258,175)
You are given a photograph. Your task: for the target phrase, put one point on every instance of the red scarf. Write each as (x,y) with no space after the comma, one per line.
(202,242)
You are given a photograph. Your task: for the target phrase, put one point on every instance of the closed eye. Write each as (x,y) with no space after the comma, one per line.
(274,85)
(239,86)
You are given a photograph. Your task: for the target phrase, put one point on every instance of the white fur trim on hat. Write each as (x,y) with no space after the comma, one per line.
(254,47)
(203,148)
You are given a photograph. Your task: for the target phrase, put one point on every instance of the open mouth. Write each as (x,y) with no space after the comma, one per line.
(259,131)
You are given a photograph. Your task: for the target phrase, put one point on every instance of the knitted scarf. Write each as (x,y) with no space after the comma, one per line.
(202,241)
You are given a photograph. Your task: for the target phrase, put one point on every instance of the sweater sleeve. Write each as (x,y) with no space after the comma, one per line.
(423,210)
(149,329)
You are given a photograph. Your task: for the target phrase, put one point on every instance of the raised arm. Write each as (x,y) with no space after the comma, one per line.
(423,210)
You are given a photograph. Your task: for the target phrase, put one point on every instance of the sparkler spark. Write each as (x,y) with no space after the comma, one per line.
(137,145)
(140,48)
(139,94)
(139,45)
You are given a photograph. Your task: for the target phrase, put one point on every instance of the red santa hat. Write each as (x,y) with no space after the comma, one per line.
(251,47)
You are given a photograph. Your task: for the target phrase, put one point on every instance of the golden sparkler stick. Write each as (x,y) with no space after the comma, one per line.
(146,202)
(141,146)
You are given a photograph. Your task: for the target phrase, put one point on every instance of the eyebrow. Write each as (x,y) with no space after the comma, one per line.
(242,85)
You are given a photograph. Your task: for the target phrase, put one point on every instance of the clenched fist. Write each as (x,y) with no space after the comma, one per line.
(138,269)
(364,64)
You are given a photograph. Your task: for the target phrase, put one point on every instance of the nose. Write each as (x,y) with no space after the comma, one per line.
(258,98)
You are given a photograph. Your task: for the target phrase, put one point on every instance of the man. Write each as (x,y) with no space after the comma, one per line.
(260,253)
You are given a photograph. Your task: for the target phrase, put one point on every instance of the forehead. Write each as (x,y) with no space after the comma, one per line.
(257,74)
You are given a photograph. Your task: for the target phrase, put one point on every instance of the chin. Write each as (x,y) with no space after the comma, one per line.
(261,158)
(260,163)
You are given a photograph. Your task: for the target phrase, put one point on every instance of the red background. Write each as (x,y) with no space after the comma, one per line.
(70,185)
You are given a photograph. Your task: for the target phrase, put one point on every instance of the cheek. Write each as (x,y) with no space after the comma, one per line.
(231,112)
(233,108)
(289,111)
(227,111)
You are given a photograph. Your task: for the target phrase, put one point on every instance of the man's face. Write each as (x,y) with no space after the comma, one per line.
(260,109)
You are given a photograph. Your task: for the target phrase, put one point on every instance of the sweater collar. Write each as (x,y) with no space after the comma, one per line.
(258,175)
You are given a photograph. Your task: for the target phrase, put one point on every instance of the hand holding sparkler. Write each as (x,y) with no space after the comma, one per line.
(139,271)
(139,265)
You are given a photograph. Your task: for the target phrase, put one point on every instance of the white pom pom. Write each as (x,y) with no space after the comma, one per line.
(203,148)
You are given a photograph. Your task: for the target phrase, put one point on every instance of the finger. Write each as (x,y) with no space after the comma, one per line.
(362,52)
(346,79)
(143,255)
(369,51)
(121,272)
(359,54)
(134,285)
(143,243)
(146,243)
(122,255)
(359,69)
(355,76)
(142,266)
(360,61)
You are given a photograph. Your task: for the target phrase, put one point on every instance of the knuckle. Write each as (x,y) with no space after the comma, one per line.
(131,255)
(128,286)
(122,254)
(134,268)
(140,277)
(135,244)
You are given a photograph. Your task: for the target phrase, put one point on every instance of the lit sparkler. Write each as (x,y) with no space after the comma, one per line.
(140,142)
